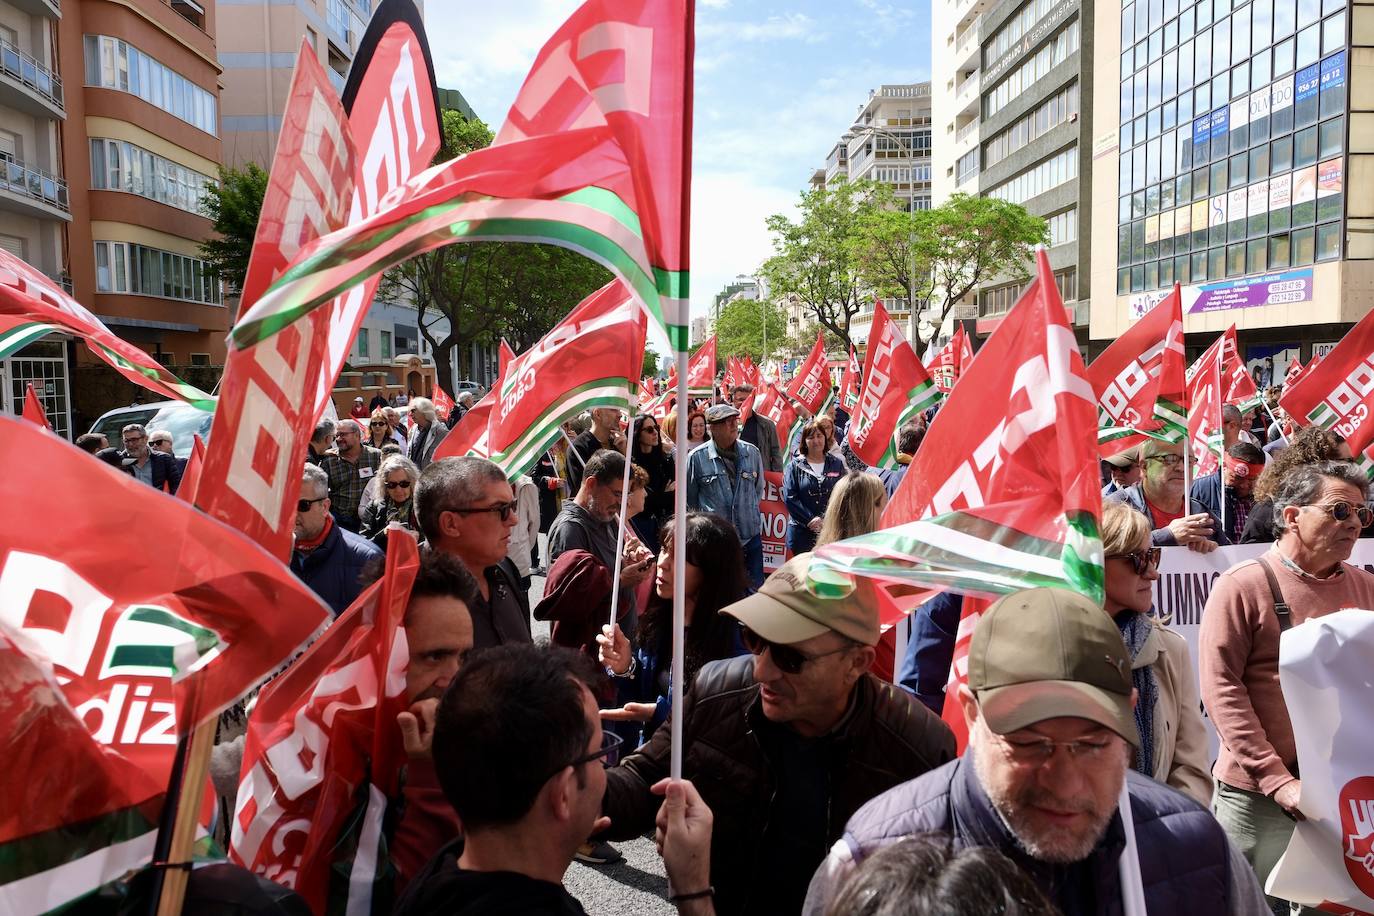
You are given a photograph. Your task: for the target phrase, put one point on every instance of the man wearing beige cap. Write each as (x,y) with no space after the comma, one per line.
(784,744)
(1124,469)
(1049,705)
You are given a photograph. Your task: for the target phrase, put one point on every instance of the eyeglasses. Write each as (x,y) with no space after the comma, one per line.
(789,659)
(393,484)
(1170,459)
(133,440)
(610,742)
(505,510)
(1341,512)
(303,505)
(377,424)
(1028,752)
(1141,560)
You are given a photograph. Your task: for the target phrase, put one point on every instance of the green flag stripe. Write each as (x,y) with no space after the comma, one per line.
(206,639)
(42,852)
(20,336)
(609,392)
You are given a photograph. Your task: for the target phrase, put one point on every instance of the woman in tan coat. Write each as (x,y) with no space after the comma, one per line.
(1173,746)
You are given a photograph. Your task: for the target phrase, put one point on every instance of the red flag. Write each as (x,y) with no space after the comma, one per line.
(190,477)
(443,404)
(323,753)
(952,361)
(1237,385)
(851,379)
(775,406)
(33,409)
(504,355)
(811,386)
(896,388)
(751,372)
(1138,380)
(152,642)
(701,370)
(1205,398)
(469,437)
(1337,392)
(997,500)
(1296,370)
(589,359)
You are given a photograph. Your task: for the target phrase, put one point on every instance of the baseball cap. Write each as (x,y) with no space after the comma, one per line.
(786,611)
(1124,459)
(719,412)
(1048,653)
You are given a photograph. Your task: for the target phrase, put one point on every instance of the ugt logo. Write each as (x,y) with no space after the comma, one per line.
(1357,830)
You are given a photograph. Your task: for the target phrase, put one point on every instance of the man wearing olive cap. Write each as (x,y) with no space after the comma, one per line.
(1049,705)
(784,744)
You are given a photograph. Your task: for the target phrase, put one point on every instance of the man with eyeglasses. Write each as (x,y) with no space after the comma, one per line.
(326,556)
(1049,706)
(350,471)
(160,440)
(1123,471)
(784,744)
(1319,510)
(1159,495)
(465,507)
(155,468)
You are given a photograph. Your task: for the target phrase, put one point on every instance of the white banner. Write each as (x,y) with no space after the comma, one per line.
(1324,667)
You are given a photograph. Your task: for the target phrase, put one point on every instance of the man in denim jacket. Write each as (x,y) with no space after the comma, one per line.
(725,476)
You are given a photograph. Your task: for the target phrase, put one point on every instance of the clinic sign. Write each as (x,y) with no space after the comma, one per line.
(1270,289)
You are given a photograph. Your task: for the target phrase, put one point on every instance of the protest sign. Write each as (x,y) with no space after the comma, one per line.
(775,517)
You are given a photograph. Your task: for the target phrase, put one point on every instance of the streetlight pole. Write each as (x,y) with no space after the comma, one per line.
(875,130)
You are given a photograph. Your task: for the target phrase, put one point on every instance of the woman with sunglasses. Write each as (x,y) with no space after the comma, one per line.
(715,579)
(398,475)
(650,453)
(379,430)
(1173,740)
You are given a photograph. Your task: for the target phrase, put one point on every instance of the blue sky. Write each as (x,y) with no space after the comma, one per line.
(776,86)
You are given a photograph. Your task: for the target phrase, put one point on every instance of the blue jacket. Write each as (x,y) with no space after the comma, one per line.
(892,477)
(709,488)
(332,569)
(805,494)
(930,649)
(1187,864)
(1134,497)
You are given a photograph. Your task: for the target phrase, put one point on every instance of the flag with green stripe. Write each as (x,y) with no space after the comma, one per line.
(1139,381)
(896,389)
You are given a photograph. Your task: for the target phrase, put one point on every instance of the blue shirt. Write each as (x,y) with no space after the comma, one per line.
(709,488)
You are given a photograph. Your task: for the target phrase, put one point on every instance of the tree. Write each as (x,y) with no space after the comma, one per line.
(650,363)
(740,329)
(815,257)
(969,241)
(234,206)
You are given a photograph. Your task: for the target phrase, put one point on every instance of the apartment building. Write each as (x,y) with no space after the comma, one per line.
(1232,157)
(1012,85)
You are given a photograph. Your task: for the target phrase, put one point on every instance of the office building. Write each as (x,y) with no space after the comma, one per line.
(1233,156)
(1011,82)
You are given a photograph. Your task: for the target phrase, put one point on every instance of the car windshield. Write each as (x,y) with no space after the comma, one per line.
(181,420)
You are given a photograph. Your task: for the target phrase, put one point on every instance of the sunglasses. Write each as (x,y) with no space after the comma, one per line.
(1341,512)
(303,505)
(505,510)
(1141,560)
(377,424)
(789,659)
(393,484)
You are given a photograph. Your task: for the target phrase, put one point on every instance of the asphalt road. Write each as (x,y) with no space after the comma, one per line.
(635,887)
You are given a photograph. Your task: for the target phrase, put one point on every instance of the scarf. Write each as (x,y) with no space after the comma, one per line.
(1135,630)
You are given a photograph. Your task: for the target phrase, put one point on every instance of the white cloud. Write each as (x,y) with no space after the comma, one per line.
(728,234)
(714,4)
(774,28)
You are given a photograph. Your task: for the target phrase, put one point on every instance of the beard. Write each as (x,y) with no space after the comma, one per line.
(1044,842)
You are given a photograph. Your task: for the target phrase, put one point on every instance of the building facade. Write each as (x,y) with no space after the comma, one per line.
(1233,156)
(1012,95)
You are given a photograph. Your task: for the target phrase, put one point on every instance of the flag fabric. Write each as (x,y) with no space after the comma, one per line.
(775,405)
(589,359)
(32,305)
(811,387)
(594,156)
(323,753)
(443,402)
(190,477)
(1296,370)
(33,409)
(1237,385)
(1139,380)
(1337,392)
(896,389)
(1324,671)
(148,644)
(74,814)
(469,437)
(504,354)
(750,371)
(701,370)
(952,360)
(1206,395)
(733,375)
(851,380)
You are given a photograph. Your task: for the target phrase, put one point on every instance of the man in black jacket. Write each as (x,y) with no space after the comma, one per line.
(786,745)
(758,430)
(154,468)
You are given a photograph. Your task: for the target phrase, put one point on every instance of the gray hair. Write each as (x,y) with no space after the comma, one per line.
(426,407)
(451,482)
(463,398)
(314,474)
(399,463)
(393,415)
(357,427)
(134,428)
(158,433)
(1303,486)
(323,430)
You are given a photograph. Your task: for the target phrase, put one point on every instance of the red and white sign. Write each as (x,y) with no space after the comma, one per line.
(775,518)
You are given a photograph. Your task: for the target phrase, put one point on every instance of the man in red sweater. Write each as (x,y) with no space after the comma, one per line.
(1318,512)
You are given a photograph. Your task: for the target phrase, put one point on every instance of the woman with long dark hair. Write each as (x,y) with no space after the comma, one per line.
(647,450)
(715,579)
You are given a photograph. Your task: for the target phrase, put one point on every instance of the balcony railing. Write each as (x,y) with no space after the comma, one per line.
(16,64)
(963,133)
(337,16)
(64,281)
(967,40)
(37,184)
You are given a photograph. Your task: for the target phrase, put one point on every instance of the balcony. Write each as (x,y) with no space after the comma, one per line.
(28,85)
(64,281)
(966,44)
(968,130)
(337,16)
(51,9)
(32,191)
(966,95)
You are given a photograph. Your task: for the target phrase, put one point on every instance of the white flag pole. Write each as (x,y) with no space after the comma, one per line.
(620,534)
(679,565)
(1132,885)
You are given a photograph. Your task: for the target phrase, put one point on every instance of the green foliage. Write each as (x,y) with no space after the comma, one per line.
(650,363)
(740,329)
(234,206)
(461,136)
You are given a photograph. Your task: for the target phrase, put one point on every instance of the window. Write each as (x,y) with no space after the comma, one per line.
(1039,178)
(200,359)
(1328,241)
(385,345)
(1063,227)
(363,335)
(117,165)
(126,267)
(1053,112)
(967,166)
(1054,52)
(112,63)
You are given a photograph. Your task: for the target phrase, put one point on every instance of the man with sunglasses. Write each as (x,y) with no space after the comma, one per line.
(1050,710)
(786,743)
(1123,471)
(326,556)
(1233,482)
(1159,495)
(1318,513)
(465,507)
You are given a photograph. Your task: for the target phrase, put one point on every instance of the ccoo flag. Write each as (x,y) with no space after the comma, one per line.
(811,386)
(1337,392)
(896,389)
(1138,380)
(850,381)
(701,370)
